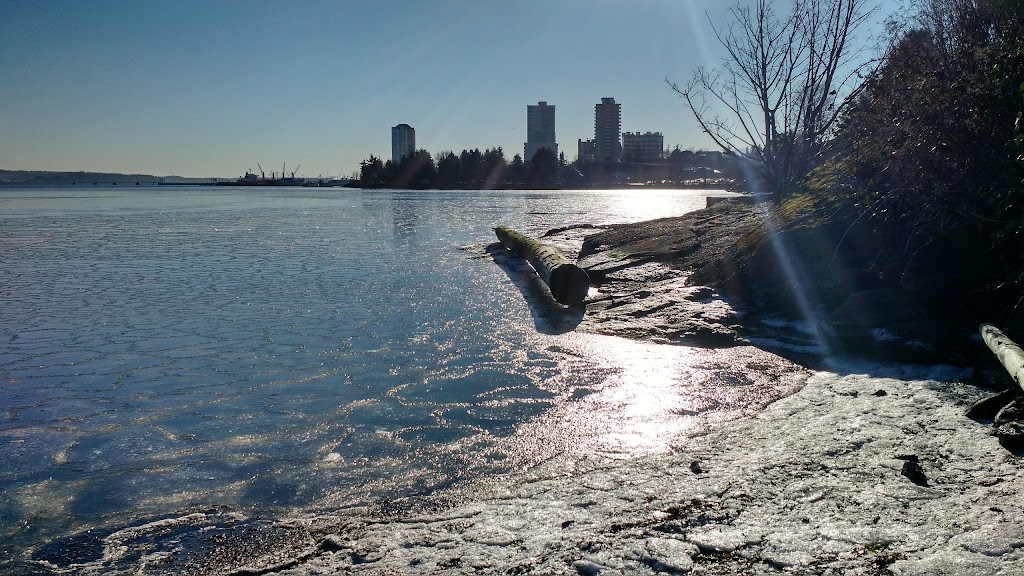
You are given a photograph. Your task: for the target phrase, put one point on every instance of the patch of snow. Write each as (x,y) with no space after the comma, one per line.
(807,328)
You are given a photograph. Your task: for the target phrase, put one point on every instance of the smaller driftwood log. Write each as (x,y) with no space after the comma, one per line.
(568,282)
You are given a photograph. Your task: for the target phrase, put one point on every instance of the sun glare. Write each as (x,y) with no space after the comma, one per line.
(651,397)
(645,203)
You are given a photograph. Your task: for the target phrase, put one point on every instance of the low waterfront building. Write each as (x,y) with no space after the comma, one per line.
(643,148)
(586,151)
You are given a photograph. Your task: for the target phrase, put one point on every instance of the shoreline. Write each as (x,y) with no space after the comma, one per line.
(870,467)
(813,484)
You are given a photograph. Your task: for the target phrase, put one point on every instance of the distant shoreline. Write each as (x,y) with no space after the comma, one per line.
(355,185)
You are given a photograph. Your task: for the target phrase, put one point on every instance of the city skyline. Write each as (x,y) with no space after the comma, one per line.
(212,89)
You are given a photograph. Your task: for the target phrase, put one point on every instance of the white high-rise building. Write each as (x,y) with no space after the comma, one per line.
(607,123)
(540,129)
(403,142)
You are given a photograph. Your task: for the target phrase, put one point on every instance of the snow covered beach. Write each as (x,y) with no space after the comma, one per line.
(811,485)
(814,484)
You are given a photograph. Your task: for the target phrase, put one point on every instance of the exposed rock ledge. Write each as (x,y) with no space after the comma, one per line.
(719,277)
(661,280)
(642,271)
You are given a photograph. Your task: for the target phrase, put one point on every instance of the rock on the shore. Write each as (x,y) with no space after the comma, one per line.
(641,272)
(691,278)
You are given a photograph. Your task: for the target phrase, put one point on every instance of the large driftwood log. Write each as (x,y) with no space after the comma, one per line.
(1009,353)
(568,282)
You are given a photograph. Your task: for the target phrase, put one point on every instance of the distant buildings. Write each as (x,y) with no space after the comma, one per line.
(403,142)
(607,124)
(647,147)
(540,129)
(610,154)
(586,150)
(712,159)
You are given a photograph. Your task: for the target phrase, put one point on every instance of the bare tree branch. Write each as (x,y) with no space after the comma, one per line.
(782,86)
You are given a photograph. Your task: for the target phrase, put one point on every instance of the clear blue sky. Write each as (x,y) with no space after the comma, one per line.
(210,88)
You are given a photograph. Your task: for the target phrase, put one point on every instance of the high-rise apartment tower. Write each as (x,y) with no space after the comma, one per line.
(540,129)
(607,124)
(403,142)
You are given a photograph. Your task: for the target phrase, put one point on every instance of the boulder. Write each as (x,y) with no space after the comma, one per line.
(1008,425)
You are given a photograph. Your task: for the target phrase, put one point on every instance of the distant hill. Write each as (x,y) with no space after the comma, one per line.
(48,177)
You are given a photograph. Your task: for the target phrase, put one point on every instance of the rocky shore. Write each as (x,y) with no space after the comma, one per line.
(722,276)
(871,468)
(843,477)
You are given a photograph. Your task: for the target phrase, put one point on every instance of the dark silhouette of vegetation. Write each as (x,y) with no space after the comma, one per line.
(47,177)
(472,169)
(517,170)
(544,168)
(476,170)
(915,202)
(371,172)
(930,155)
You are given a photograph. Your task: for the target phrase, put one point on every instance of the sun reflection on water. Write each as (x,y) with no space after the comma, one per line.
(652,397)
(638,204)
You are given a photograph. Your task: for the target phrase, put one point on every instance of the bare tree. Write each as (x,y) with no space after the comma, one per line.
(780,90)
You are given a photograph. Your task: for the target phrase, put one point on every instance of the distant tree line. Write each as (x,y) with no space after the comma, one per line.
(39,177)
(470,169)
(489,169)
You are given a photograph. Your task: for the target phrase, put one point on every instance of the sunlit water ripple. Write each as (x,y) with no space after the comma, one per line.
(276,350)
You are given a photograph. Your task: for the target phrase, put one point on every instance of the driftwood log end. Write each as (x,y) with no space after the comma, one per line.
(568,282)
(1010,355)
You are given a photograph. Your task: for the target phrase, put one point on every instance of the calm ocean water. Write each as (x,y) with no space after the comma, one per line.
(277,350)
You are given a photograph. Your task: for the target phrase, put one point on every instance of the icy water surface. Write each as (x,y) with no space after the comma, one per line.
(279,350)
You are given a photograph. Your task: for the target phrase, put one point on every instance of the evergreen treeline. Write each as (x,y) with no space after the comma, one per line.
(472,169)
(49,177)
(476,170)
